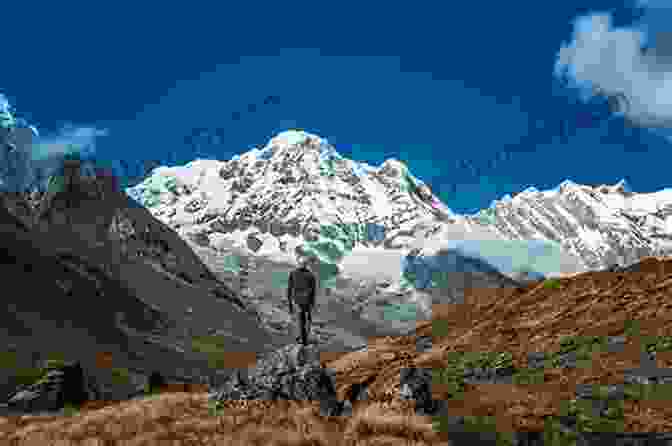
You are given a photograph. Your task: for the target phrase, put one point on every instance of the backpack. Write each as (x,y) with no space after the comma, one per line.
(302,283)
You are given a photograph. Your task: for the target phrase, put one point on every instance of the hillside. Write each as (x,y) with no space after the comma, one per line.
(582,325)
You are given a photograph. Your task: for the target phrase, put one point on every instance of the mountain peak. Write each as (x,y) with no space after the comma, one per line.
(292,141)
(291,187)
(296,137)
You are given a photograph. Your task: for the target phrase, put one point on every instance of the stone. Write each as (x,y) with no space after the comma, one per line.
(416,384)
(291,373)
(254,243)
(60,386)
(155,381)
(72,384)
(423,344)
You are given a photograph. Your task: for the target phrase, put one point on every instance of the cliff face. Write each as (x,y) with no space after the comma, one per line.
(91,271)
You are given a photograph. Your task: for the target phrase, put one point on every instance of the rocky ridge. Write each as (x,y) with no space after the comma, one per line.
(513,364)
(297,194)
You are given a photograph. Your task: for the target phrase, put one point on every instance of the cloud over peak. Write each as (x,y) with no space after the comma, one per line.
(630,65)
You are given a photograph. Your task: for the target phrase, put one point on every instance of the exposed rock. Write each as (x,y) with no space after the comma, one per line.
(291,373)
(155,381)
(254,243)
(79,386)
(423,343)
(416,384)
(194,205)
(58,387)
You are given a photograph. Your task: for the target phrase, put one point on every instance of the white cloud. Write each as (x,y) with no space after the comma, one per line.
(4,103)
(68,140)
(508,256)
(631,65)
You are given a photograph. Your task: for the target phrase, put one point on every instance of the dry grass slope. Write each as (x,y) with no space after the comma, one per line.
(537,318)
(188,419)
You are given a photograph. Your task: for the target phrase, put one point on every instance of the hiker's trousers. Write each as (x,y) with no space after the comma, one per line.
(305,318)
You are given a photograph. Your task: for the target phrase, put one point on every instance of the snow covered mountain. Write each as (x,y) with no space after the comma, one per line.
(298,195)
(602,225)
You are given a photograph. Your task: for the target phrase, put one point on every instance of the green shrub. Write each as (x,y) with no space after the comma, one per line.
(51,364)
(70,410)
(528,376)
(212,346)
(8,360)
(452,375)
(555,435)
(639,392)
(28,375)
(588,421)
(440,328)
(552,284)
(476,424)
(149,391)
(214,408)
(121,376)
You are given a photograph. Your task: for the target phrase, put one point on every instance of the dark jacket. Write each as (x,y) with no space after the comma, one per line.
(302,287)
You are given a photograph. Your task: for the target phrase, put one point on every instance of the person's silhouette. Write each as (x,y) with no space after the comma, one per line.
(301,290)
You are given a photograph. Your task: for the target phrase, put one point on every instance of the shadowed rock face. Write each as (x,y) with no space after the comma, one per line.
(467,343)
(97,273)
(58,387)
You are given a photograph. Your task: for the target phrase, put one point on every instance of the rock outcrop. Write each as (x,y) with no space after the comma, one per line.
(99,273)
(61,386)
(291,373)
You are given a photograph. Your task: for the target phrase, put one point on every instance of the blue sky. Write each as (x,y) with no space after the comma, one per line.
(481,99)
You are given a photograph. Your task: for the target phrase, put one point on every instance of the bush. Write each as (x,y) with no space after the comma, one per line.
(121,376)
(28,375)
(212,346)
(552,284)
(70,410)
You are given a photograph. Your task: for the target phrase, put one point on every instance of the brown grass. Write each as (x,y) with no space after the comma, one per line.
(518,321)
(185,419)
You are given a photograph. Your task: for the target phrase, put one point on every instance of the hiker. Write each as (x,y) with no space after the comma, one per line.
(301,290)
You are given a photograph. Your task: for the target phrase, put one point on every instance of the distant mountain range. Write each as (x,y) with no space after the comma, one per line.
(297,194)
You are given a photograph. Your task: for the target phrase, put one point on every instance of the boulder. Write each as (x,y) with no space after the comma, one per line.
(71,383)
(291,373)
(60,386)
(254,243)
(416,384)
(156,381)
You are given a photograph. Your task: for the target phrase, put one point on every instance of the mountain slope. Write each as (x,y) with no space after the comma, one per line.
(298,195)
(602,225)
(568,358)
(96,273)
(294,185)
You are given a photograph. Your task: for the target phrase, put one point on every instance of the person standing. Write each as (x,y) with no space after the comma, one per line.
(301,290)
